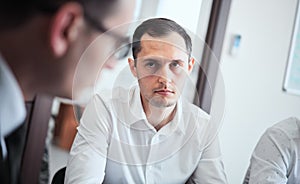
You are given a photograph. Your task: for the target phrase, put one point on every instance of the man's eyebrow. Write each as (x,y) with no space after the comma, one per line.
(157,59)
(177,60)
(151,59)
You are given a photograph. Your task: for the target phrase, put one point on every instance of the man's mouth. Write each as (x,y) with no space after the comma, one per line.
(164,92)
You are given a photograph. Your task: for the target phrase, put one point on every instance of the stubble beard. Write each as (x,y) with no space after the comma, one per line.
(160,102)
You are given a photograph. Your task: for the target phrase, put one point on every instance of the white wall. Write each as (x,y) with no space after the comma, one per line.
(254,78)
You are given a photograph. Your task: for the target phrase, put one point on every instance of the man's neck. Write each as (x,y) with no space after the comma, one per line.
(24,55)
(19,69)
(158,116)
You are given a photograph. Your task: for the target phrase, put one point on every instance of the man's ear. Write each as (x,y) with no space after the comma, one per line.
(64,28)
(132,66)
(191,65)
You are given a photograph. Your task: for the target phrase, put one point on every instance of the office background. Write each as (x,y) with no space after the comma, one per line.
(254,78)
(253,75)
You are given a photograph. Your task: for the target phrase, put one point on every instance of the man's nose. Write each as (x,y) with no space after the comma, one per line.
(164,75)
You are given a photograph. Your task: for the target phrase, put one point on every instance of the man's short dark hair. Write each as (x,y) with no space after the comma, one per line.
(14,13)
(158,27)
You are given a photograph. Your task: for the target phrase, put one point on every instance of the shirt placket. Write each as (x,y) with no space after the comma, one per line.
(153,169)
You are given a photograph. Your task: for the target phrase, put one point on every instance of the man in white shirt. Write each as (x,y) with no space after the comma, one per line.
(41,44)
(276,158)
(148,133)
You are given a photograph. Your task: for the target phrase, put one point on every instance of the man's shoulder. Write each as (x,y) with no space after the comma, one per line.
(190,109)
(117,99)
(289,127)
(115,94)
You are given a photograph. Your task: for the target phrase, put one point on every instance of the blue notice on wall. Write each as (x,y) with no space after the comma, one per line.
(292,78)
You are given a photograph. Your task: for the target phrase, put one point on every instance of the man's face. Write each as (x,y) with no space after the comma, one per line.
(100,54)
(162,67)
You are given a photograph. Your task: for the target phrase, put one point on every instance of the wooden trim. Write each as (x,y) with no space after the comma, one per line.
(35,139)
(214,40)
(65,127)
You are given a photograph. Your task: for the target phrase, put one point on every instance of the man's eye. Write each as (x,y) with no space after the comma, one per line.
(150,65)
(175,64)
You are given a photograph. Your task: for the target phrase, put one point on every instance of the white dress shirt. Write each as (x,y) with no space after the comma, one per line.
(116,144)
(12,107)
(275,159)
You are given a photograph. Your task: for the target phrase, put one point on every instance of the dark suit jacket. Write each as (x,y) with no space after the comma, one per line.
(15,142)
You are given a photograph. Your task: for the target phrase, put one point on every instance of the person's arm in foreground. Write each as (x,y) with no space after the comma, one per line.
(270,158)
(87,159)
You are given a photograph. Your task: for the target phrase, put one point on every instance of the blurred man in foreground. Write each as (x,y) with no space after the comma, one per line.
(40,46)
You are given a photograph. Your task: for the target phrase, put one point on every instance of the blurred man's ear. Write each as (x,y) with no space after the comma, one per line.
(132,66)
(191,65)
(64,28)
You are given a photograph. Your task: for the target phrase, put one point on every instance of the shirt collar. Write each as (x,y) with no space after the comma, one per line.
(178,116)
(12,107)
(135,104)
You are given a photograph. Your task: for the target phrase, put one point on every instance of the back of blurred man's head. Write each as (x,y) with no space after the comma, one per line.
(14,13)
(43,40)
